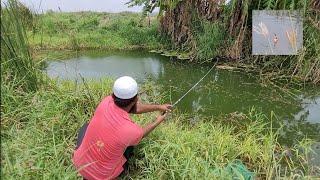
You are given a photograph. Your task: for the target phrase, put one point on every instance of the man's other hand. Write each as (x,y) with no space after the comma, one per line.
(161,117)
(165,107)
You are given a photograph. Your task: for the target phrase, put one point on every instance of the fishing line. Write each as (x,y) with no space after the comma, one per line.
(184,95)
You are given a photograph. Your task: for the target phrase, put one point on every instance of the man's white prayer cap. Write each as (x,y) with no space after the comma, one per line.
(125,87)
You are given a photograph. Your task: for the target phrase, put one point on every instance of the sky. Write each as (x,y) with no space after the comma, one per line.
(114,6)
(79,5)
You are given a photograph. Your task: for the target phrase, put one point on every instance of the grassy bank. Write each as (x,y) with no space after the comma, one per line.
(39,130)
(92,30)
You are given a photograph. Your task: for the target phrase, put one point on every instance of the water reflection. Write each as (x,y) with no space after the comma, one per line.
(310,110)
(112,66)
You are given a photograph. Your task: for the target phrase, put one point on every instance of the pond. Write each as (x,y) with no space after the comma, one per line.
(221,92)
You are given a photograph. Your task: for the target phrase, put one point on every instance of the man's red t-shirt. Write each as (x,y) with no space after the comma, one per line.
(109,133)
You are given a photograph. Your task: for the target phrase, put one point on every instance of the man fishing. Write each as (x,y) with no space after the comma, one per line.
(105,144)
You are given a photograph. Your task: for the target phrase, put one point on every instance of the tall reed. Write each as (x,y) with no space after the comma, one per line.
(16,60)
(263,30)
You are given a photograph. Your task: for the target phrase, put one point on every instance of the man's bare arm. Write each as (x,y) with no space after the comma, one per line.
(150,127)
(144,108)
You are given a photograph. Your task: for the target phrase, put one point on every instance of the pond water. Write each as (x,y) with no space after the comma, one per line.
(221,92)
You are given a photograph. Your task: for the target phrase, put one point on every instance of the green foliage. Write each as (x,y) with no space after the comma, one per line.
(38,130)
(16,61)
(209,41)
(91,30)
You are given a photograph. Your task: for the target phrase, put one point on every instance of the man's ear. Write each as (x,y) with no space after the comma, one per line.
(134,105)
(133,109)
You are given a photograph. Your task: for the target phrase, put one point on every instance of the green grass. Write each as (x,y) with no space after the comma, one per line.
(38,131)
(92,30)
(209,40)
(16,60)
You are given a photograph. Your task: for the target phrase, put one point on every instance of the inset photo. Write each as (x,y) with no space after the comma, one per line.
(276,32)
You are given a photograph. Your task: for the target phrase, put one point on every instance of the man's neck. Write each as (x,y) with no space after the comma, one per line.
(127,109)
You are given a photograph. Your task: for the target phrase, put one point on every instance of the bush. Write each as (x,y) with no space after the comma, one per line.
(209,41)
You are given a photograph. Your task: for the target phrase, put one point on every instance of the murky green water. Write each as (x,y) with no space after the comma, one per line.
(220,93)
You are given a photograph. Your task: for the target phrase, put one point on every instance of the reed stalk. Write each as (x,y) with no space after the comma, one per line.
(16,60)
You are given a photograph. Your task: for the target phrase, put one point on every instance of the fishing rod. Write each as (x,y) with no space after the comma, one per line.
(185,94)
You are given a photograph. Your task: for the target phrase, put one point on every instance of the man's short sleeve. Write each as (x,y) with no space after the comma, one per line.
(133,135)
(137,137)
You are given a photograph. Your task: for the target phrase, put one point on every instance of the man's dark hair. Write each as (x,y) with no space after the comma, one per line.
(123,102)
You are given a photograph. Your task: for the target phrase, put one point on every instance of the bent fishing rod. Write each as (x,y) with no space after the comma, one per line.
(185,94)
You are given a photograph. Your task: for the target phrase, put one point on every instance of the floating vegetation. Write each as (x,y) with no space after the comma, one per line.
(184,56)
(226,67)
(170,53)
(159,51)
(177,54)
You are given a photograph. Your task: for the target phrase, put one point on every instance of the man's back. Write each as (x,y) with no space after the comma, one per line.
(109,133)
